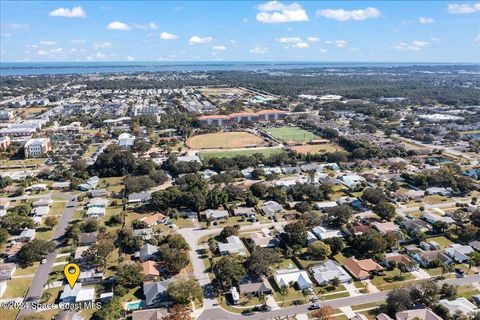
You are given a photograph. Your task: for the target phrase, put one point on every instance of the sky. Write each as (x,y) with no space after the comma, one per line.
(356,31)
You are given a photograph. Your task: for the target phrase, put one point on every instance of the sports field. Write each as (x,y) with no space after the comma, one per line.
(316,148)
(292,134)
(205,155)
(224,140)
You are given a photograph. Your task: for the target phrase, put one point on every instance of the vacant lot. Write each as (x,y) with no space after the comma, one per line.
(315,148)
(246,152)
(224,140)
(292,134)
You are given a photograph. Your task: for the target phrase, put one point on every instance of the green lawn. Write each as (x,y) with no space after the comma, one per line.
(291,134)
(391,277)
(442,241)
(17,288)
(246,152)
(57,208)
(183,223)
(367,305)
(29,270)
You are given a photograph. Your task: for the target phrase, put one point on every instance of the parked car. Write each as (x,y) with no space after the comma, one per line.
(314,306)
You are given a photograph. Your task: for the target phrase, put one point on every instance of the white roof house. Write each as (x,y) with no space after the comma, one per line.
(95,212)
(39,211)
(322,233)
(85,295)
(351,180)
(286,276)
(432,218)
(233,245)
(459,253)
(329,270)
(459,304)
(126,140)
(213,215)
(98,202)
(325,204)
(271,207)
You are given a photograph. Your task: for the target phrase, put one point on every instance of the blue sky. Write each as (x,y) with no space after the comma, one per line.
(390,31)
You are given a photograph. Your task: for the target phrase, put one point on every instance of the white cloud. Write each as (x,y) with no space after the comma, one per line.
(424,20)
(416,45)
(322,50)
(289,39)
(97,56)
(102,45)
(42,53)
(17,26)
(78,41)
(47,43)
(341,43)
(301,45)
(313,39)
(259,50)
(344,15)
(219,48)
(463,8)
(153,26)
(148,26)
(277,12)
(117,25)
(328,41)
(168,36)
(477,39)
(75,12)
(130,58)
(200,40)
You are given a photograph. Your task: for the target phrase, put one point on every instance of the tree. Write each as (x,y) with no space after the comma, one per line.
(130,275)
(185,291)
(229,231)
(370,243)
(16,223)
(230,269)
(385,210)
(139,224)
(178,312)
(128,241)
(174,260)
(295,234)
(374,196)
(426,292)
(324,313)
(33,251)
(4,235)
(397,300)
(446,268)
(339,215)
(176,241)
(261,260)
(98,253)
(319,250)
(336,244)
(51,221)
(112,310)
(449,291)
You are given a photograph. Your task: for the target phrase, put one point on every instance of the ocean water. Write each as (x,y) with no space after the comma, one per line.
(39,68)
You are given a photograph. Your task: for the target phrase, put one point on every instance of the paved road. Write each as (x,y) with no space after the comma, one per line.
(221,314)
(41,276)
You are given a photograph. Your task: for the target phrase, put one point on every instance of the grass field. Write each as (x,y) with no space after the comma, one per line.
(294,134)
(248,152)
(315,148)
(224,140)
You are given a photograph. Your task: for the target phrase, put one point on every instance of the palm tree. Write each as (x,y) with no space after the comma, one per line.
(284,292)
(446,268)
(262,299)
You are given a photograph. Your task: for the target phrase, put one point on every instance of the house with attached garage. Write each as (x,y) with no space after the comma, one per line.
(233,245)
(286,276)
(459,253)
(321,233)
(362,269)
(329,270)
(156,293)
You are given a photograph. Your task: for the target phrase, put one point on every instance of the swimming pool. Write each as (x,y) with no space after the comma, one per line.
(134,305)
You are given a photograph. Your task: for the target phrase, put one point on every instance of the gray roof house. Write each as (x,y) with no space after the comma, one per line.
(156,293)
(87,238)
(459,253)
(146,233)
(147,252)
(233,245)
(329,270)
(140,197)
(214,215)
(269,208)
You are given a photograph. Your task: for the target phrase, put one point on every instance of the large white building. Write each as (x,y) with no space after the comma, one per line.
(39,147)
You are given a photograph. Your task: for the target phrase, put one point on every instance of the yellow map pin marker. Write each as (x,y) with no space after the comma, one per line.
(72,272)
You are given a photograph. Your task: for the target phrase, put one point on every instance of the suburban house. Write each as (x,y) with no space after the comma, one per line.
(384,227)
(156,293)
(87,238)
(286,276)
(147,252)
(77,294)
(145,234)
(427,258)
(126,140)
(96,212)
(233,245)
(269,208)
(460,304)
(27,235)
(141,197)
(69,315)
(42,203)
(424,314)
(244,212)
(432,218)
(78,255)
(61,185)
(97,203)
(150,269)
(324,273)
(321,233)
(154,219)
(35,148)
(325,205)
(216,215)
(362,269)
(259,239)
(150,314)
(475,245)
(459,253)
(256,288)
(90,276)
(400,260)
(416,225)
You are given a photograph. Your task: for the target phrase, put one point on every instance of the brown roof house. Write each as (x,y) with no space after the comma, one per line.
(150,269)
(362,269)
(400,260)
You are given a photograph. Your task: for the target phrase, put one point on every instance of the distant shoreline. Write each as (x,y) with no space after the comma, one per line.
(51,68)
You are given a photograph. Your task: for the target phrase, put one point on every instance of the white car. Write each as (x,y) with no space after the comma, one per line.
(43,261)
